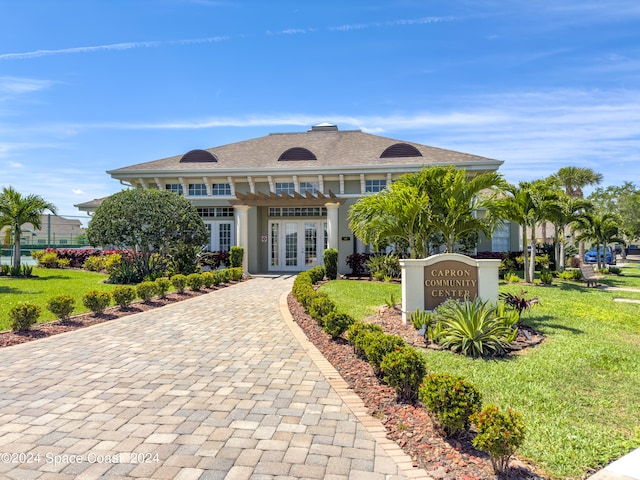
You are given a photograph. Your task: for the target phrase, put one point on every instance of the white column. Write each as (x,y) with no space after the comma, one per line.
(332,224)
(241,213)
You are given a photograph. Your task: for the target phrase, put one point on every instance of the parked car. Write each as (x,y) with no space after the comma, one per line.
(606,254)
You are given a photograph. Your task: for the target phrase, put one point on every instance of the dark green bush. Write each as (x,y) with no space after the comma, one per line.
(147,290)
(96,301)
(500,433)
(404,370)
(358,331)
(319,307)
(194,281)
(123,295)
(24,316)
(235,257)
(452,399)
(316,273)
(330,258)
(336,323)
(61,306)
(179,282)
(376,346)
(163,285)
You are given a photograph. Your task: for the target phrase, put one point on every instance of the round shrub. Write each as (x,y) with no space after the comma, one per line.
(123,295)
(194,281)
(24,316)
(96,301)
(500,433)
(316,273)
(162,286)
(61,306)
(146,290)
(335,323)
(236,273)
(179,282)
(377,345)
(208,279)
(404,370)
(94,263)
(452,399)
(357,332)
(319,307)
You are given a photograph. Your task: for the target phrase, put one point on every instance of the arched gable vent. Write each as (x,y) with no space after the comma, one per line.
(401,150)
(198,156)
(296,154)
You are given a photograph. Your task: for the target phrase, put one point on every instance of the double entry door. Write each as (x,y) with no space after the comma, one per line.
(296,245)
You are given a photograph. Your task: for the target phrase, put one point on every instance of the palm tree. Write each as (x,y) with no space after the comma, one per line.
(457,199)
(400,212)
(574,179)
(16,210)
(600,228)
(564,211)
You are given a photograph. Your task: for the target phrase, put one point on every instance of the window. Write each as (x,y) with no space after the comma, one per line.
(311,187)
(174,187)
(500,240)
(297,212)
(373,186)
(63,242)
(285,187)
(197,189)
(220,189)
(212,212)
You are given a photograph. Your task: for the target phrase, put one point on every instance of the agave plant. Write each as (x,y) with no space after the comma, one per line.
(474,328)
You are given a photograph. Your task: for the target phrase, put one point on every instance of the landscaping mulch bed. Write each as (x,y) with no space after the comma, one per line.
(409,425)
(47,329)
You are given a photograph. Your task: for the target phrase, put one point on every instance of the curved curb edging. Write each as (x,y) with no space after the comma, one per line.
(351,400)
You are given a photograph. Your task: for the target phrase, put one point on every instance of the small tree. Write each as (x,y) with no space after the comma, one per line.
(148,223)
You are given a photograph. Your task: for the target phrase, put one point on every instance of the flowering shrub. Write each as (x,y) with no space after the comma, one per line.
(96,301)
(61,306)
(147,290)
(179,282)
(123,295)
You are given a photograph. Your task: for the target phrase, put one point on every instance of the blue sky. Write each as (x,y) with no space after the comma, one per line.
(87,86)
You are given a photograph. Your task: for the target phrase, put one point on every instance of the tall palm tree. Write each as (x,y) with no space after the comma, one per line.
(600,228)
(456,200)
(16,210)
(574,179)
(563,212)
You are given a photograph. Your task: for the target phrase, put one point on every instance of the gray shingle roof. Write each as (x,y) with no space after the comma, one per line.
(333,149)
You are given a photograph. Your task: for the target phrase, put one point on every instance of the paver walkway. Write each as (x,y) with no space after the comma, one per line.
(215,387)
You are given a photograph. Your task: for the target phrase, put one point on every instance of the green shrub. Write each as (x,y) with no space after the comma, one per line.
(615,271)
(146,290)
(377,345)
(511,277)
(303,288)
(316,273)
(94,263)
(566,275)
(546,277)
(330,258)
(64,263)
(112,262)
(474,328)
(123,295)
(61,306)
(5,270)
(179,282)
(319,307)
(26,271)
(96,301)
(452,399)
(357,332)
(208,279)
(420,318)
(224,276)
(24,315)
(404,369)
(336,323)
(162,286)
(500,433)
(194,281)
(384,266)
(236,254)
(236,273)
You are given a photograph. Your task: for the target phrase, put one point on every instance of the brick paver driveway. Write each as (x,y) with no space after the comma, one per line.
(213,387)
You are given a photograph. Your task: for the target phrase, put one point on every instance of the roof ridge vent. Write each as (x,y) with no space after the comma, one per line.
(324,127)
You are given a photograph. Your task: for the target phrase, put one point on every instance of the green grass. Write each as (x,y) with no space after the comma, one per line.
(578,391)
(48,283)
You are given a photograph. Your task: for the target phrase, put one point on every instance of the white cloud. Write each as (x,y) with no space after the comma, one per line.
(18,85)
(77,191)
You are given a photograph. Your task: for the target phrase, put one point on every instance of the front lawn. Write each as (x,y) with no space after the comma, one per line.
(45,284)
(578,391)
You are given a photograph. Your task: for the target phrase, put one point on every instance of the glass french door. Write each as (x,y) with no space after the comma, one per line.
(222,235)
(296,245)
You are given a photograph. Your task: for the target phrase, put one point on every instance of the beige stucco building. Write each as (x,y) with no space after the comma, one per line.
(285,197)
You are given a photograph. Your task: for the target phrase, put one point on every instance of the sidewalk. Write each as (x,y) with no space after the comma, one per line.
(215,387)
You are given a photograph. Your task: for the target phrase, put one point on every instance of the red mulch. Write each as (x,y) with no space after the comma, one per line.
(409,425)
